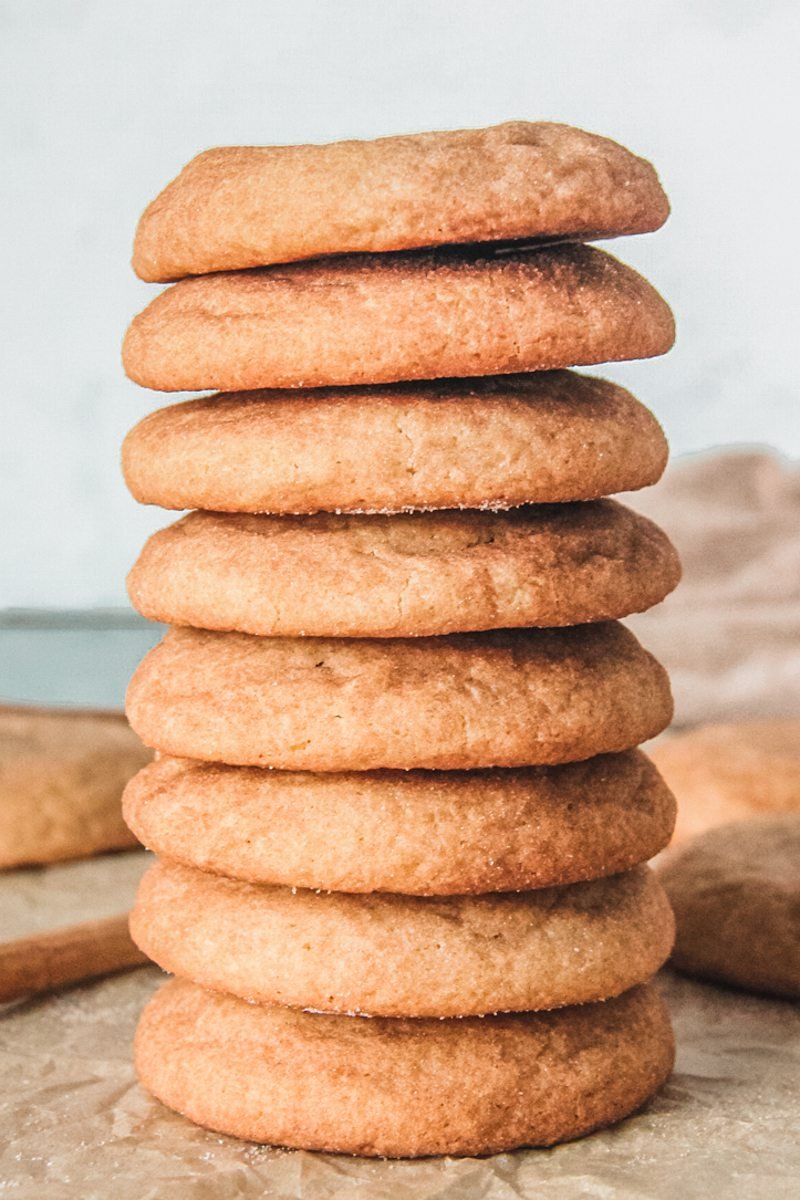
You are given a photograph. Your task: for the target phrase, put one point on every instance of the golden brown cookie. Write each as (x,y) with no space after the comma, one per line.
(506,698)
(484,443)
(62,772)
(401,1088)
(404,575)
(736,894)
(379,318)
(413,832)
(407,956)
(723,773)
(247,206)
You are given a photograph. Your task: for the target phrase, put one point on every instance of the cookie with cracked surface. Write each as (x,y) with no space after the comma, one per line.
(404,575)
(484,443)
(380,318)
(405,956)
(402,1088)
(412,832)
(736,894)
(62,772)
(248,206)
(723,773)
(503,698)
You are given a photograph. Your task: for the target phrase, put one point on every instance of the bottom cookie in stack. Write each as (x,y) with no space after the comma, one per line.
(402,1087)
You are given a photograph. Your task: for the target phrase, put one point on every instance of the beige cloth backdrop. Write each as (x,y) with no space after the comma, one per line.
(730,634)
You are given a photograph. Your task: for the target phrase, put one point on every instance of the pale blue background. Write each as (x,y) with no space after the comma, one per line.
(104,100)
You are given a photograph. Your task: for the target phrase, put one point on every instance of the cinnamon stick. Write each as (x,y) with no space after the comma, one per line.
(44,961)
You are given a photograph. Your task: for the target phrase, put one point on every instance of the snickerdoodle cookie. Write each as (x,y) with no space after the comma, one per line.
(411,956)
(246,206)
(401,1088)
(723,773)
(404,575)
(736,894)
(413,832)
(502,698)
(379,318)
(62,772)
(539,438)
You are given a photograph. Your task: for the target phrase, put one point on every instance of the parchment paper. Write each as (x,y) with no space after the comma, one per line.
(74,1124)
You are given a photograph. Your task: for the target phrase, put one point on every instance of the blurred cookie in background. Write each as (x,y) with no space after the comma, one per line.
(62,772)
(727,772)
(735,892)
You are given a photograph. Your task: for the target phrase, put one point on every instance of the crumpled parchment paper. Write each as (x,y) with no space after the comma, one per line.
(74,1123)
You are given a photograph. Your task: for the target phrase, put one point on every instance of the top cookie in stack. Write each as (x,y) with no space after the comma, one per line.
(390,324)
(249,206)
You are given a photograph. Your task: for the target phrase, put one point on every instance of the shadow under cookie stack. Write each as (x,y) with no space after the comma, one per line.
(396,715)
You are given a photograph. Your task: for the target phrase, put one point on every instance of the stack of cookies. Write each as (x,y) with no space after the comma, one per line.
(396,715)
